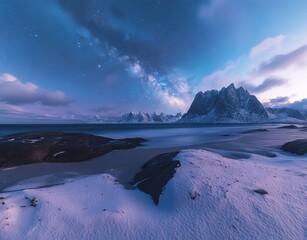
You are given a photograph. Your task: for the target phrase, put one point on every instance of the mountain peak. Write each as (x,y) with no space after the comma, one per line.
(227,105)
(144,117)
(231,86)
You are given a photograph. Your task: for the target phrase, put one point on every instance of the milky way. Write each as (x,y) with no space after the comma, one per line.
(75,59)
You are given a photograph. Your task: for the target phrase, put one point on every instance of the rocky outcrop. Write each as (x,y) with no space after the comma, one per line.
(155,174)
(297,147)
(27,148)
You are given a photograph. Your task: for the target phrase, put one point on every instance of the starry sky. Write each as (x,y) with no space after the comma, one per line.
(77,60)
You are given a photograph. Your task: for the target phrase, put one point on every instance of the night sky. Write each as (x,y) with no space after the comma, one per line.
(72,60)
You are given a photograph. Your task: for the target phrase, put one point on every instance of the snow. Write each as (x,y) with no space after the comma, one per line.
(143,117)
(34,140)
(210,197)
(56,154)
(7,169)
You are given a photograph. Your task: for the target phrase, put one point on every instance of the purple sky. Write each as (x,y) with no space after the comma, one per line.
(73,60)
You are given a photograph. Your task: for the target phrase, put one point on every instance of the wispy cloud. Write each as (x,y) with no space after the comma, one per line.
(300,105)
(15,92)
(266,85)
(268,77)
(221,10)
(279,100)
(266,44)
(282,61)
(219,78)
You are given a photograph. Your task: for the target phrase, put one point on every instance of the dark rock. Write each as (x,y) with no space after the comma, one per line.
(34,202)
(289,127)
(226,105)
(255,130)
(266,153)
(194,195)
(261,191)
(27,148)
(298,146)
(155,174)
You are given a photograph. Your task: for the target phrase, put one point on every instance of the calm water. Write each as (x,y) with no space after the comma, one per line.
(159,135)
(228,140)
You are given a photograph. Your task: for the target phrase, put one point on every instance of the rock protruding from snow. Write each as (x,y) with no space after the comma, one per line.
(209,197)
(282,114)
(57,147)
(143,117)
(227,105)
(155,174)
(297,147)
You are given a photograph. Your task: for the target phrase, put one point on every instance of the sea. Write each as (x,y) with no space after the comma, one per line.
(241,142)
(159,135)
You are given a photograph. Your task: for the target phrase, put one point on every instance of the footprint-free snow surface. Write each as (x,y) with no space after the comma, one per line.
(209,197)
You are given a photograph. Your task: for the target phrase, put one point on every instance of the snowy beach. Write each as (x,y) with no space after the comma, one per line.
(234,182)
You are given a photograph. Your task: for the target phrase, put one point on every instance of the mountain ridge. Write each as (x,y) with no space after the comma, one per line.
(144,117)
(230,104)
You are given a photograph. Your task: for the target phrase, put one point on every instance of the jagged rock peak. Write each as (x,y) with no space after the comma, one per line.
(230,104)
(143,117)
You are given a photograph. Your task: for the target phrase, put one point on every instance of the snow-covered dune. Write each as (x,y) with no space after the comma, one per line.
(210,197)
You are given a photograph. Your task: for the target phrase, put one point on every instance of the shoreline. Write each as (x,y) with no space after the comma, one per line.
(124,164)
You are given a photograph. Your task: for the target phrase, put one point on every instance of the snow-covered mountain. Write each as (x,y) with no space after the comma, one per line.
(162,117)
(227,105)
(143,117)
(285,114)
(133,117)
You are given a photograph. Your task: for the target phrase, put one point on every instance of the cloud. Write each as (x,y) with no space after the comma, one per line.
(219,78)
(6,77)
(266,85)
(282,61)
(300,105)
(279,100)
(216,10)
(15,92)
(265,45)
